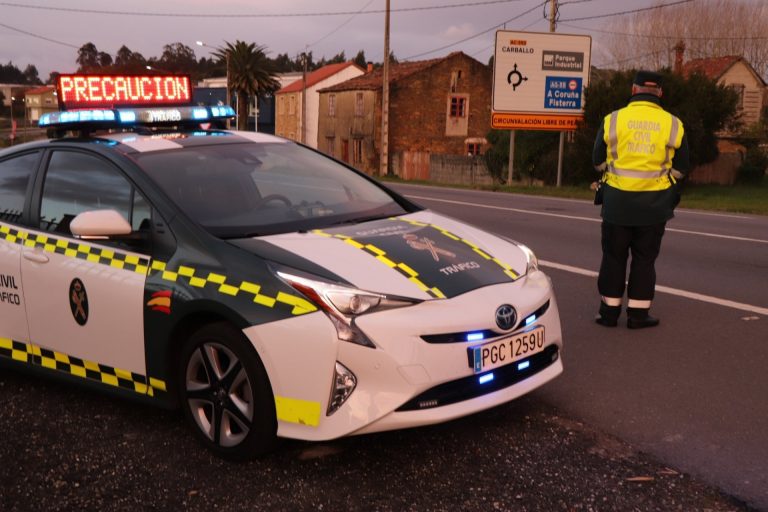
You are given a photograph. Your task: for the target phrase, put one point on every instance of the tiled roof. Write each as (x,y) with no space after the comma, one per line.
(373,80)
(712,67)
(40,90)
(317,76)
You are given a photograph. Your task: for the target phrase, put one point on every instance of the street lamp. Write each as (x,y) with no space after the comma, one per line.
(13,123)
(226,57)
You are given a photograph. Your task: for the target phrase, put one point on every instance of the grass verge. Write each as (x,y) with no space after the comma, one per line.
(737,198)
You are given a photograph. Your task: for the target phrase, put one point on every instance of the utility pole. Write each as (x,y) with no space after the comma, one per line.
(552,27)
(384,163)
(303,121)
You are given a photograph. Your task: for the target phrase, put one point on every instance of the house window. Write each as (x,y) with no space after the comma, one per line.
(331,105)
(473,148)
(458,106)
(357,151)
(359,104)
(330,145)
(281,105)
(292,105)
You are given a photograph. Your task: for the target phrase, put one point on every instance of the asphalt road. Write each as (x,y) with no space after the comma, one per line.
(691,392)
(664,419)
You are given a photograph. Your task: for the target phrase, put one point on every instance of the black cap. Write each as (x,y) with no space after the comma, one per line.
(648,79)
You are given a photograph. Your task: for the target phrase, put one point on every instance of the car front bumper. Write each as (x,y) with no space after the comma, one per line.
(405,381)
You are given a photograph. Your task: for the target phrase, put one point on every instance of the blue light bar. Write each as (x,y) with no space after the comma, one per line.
(76,116)
(127,116)
(522,366)
(484,379)
(225,111)
(530,320)
(475,336)
(117,118)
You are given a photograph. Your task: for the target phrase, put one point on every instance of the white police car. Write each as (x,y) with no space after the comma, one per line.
(268,290)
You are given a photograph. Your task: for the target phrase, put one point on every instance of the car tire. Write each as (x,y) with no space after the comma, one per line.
(225,393)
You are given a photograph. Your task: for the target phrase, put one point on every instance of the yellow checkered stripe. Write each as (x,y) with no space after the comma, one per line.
(297,305)
(191,276)
(508,270)
(32,354)
(78,250)
(381,255)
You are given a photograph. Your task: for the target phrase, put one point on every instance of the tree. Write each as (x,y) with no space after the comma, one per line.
(178,58)
(105,60)
(53,77)
(360,59)
(703,106)
(10,74)
(127,61)
(87,58)
(709,28)
(251,73)
(31,76)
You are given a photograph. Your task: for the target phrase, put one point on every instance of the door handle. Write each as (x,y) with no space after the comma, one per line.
(37,257)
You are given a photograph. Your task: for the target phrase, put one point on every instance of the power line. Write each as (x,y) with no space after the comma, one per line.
(479,33)
(38,36)
(340,26)
(598,16)
(251,15)
(678,36)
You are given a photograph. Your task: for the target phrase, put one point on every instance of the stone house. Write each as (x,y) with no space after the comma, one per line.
(438,106)
(288,119)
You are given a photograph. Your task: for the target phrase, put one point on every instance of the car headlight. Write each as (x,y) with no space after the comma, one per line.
(531,261)
(342,304)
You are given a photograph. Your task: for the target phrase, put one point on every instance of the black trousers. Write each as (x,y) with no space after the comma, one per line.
(644,243)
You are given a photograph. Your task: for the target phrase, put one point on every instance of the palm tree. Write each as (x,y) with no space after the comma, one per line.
(249,73)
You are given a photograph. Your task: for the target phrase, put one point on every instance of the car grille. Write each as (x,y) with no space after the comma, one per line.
(470,387)
(461,337)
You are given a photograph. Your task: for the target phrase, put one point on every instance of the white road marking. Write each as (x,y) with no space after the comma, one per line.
(666,289)
(588,219)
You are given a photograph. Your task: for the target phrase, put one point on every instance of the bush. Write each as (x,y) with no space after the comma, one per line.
(753,168)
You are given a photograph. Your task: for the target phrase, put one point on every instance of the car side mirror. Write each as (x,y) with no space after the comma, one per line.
(99,224)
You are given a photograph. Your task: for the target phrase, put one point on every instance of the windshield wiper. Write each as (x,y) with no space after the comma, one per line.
(360,220)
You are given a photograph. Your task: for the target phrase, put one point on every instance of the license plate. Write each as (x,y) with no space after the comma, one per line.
(499,353)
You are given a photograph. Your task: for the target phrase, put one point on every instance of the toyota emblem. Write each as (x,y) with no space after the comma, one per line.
(506,317)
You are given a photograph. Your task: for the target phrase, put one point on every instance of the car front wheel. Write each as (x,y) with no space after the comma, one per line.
(226,395)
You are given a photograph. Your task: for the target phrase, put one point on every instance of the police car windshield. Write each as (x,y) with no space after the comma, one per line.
(252,189)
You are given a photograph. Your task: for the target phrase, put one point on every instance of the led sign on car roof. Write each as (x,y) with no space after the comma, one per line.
(98,102)
(109,91)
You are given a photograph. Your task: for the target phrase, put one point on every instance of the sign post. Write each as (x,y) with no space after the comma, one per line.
(539,80)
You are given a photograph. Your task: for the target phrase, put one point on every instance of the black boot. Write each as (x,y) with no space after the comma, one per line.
(638,318)
(608,315)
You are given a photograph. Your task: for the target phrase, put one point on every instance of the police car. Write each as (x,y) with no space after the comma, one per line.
(266,289)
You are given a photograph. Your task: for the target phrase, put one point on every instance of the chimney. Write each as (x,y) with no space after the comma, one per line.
(679,51)
(370,67)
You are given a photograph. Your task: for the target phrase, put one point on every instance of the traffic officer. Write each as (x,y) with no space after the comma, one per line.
(643,153)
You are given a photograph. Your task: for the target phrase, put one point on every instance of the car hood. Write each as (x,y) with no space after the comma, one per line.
(422,255)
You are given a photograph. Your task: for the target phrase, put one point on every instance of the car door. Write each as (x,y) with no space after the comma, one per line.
(15,183)
(84,297)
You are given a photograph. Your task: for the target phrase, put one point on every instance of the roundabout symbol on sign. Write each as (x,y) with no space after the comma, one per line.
(519,78)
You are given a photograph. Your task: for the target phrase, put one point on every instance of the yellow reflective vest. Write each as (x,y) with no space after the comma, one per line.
(641,140)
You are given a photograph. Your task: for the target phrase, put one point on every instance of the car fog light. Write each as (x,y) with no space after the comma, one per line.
(344,382)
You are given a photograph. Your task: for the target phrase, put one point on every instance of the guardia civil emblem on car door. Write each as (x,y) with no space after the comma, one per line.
(78,301)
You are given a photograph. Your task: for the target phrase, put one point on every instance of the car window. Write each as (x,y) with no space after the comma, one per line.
(76,182)
(238,190)
(15,173)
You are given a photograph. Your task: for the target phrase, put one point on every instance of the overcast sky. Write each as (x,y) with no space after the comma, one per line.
(38,33)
